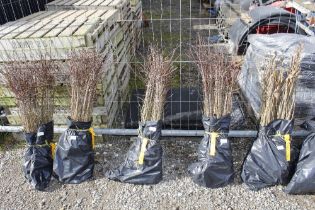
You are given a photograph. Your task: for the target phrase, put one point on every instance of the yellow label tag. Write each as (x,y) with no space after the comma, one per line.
(214,137)
(213,142)
(142,151)
(287,140)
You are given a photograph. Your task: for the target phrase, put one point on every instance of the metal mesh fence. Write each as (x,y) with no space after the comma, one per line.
(122,30)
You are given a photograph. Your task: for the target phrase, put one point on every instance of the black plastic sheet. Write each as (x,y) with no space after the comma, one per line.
(133,170)
(265,47)
(303,180)
(3,119)
(74,157)
(267,163)
(214,170)
(38,162)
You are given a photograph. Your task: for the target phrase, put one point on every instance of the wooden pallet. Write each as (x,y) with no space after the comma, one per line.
(111,93)
(123,6)
(60,117)
(136,8)
(106,92)
(62,78)
(124,80)
(134,3)
(7,102)
(4,92)
(56,34)
(127,23)
(109,119)
(60,101)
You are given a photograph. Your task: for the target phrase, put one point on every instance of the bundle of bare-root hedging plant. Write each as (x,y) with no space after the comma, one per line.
(273,152)
(32,83)
(218,75)
(85,71)
(158,74)
(74,160)
(143,164)
(278,89)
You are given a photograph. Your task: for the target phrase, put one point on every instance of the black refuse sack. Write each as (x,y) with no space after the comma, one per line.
(143,163)
(215,162)
(74,157)
(302,181)
(268,163)
(38,162)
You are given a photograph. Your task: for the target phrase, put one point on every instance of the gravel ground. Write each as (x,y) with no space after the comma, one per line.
(176,191)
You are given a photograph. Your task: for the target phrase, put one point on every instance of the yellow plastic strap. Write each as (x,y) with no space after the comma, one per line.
(91,130)
(213,140)
(53,149)
(142,151)
(287,140)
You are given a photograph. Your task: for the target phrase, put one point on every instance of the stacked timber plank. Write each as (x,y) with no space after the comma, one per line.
(123,6)
(127,39)
(129,15)
(57,33)
(136,8)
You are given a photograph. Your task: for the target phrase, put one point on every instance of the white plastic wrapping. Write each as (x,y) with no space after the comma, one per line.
(263,46)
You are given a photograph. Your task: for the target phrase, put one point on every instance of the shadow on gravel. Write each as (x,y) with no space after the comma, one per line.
(179,153)
(53,186)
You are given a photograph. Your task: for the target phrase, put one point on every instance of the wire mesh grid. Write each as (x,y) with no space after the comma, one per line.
(123,39)
(176,25)
(168,24)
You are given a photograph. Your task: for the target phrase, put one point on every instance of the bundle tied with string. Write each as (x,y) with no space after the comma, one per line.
(74,157)
(32,83)
(273,155)
(219,72)
(143,163)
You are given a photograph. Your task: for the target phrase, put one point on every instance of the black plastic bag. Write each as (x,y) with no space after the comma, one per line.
(3,118)
(272,157)
(38,162)
(214,168)
(302,181)
(143,163)
(74,157)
